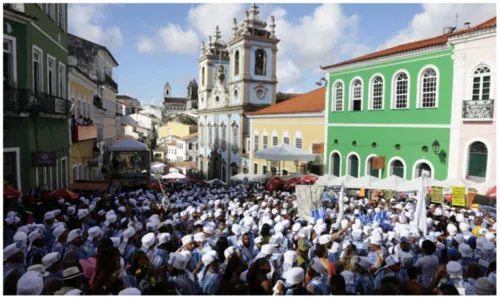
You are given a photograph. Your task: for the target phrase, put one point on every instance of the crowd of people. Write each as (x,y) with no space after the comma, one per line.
(236,240)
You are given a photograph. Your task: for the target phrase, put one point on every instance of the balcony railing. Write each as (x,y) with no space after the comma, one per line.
(17,100)
(98,101)
(52,105)
(478,109)
(83,133)
(108,80)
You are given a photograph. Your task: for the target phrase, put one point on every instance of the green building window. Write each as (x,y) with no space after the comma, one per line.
(421,168)
(335,161)
(397,168)
(478,160)
(401,91)
(353,165)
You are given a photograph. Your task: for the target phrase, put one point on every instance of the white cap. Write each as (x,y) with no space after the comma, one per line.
(290,257)
(31,283)
(376,239)
(50,259)
(325,239)
(48,216)
(294,276)
(94,232)
(465,250)
(258,240)
(163,238)
(391,260)
(11,250)
(116,241)
(187,239)
(128,233)
(209,258)
(199,237)
(74,292)
(452,229)
(148,240)
(228,251)
(36,234)
(130,292)
(38,268)
(74,234)
(178,260)
(454,269)
(20,237)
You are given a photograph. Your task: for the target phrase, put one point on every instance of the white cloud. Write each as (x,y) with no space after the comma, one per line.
(288,73)
(85,20)
(292,90)
(435,16)
(145,45)
(204,17)
(170,39)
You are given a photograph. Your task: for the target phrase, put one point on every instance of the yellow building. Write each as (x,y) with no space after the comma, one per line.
(174,129)
(298,122)
(82,90)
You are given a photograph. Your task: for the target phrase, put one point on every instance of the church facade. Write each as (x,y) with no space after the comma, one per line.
(235,78)
(176,105)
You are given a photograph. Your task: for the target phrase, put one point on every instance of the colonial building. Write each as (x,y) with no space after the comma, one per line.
(132,105)
(235,78)
(35,100)
(298,122)
(473,113)
(175,105)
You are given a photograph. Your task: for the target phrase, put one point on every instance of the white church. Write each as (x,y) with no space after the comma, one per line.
(235,77)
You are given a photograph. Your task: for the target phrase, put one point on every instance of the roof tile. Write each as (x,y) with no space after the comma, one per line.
(313,101)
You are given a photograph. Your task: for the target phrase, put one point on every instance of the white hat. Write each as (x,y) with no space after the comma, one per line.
(464,227)
(465,250)
(290,257)
(488,247)
(74,292)
(325,239)
(454,269)
(50,259)
(74,234)
(267,249)
(71,272)
(94,232)
(375,239)
(31,283)
(20,237)
(111,218)
(11,250)
(294,276)
(489,236)
(187,239)
(258,240)
(116,241)
(36,234)
(128,233)
(148,240)
(163,238)
(209,257)
(236,229)
(458,238)
(452,229)
(199,237)
(296,227)
(48,215)
(178,260)
(130,292)
(38,268)
(82,213)
(391,260)
(229,251)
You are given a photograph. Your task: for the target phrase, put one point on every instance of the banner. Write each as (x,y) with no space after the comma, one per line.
(458,196)
(470,197)
(378,162)
(437,194)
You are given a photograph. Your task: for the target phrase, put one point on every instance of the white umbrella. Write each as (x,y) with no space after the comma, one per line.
(457,182)
(239,177)
(390,183)
(284,152)
(323,180)
(421,211)
(173,169)
(366,182)
(258,178)
(292,176)
(174,176)
(484,186)
(414,185)
(340,180)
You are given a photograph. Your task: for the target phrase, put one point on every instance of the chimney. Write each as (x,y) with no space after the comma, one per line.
(467,25)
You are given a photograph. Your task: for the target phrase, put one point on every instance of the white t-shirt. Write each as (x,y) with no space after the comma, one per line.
(428,265)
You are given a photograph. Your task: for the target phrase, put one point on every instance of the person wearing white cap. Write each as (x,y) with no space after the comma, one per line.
(48,220)
(36,249)
(392,268)
(107,227)
(258,245)
(161,255)
(90,246)
(30,283)
(316,279)
(182,279)
(75,251)
(455,278)
(13,267)
(72,280)
(53,265)
(130,292)
(294,283)
(148,245)
(127,247)
(60,236)
(376,254)
(210,275)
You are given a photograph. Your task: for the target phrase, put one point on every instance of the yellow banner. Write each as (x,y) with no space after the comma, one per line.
(458,196)
(437,194)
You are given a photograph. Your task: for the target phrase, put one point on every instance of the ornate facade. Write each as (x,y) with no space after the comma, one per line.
(235,78)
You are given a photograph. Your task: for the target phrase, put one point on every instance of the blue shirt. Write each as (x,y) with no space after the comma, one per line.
(9,267)
(320,285)
(208,284)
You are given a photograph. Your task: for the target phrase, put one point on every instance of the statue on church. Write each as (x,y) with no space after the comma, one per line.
(221,74)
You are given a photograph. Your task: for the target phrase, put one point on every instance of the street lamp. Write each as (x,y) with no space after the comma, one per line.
(435,146)
(319,83)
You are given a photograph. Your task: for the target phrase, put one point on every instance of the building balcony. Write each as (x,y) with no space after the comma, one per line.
(98,101)
(18,100)
(83,133)
(108,80)
(53,105)
(478,110)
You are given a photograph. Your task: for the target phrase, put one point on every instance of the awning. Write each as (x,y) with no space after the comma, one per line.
(89,185)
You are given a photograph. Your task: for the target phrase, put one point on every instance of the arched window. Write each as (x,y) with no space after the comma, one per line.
(370,171)
(216,135)
(286,138)
(356,95)
(353,166)
(275,138)
(478,161)
(223,135)
(298,140)
(428,88)
(401,86)
(260,62)
(377,93)
(235,136)
(256,141)
(338,97)
(481,83)
(236,63)
(203,76)
(423,168)
(264,169)
(335,161)
(265,139)
(397,168)
(255,168)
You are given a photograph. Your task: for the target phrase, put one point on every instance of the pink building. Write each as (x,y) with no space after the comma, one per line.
(473,120)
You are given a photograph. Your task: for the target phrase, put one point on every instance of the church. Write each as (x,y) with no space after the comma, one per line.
(176,105)
(234,78)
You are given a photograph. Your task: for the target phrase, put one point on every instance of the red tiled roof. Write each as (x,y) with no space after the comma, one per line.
(187,137)
(313,101)
(434,41)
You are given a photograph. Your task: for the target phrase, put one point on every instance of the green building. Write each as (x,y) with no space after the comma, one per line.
(36,109)
(391,108)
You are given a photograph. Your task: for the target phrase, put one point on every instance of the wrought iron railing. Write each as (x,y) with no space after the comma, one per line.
(16,100)
(108,80)
(478,109)
(97,101)
(52,105)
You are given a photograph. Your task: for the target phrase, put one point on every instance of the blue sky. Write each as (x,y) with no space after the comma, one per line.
(156,43)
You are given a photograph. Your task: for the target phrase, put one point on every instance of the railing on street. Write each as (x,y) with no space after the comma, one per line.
(478,109)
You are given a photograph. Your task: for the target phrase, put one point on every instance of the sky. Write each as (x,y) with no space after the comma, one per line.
(159,43)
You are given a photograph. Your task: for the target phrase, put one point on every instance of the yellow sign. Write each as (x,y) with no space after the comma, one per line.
(437,194)
(458,196)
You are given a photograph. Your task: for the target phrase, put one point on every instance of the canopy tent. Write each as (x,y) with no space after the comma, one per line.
(366,181)
(339,180)
(292,176)
(129,145)
(324,179)
(257,178)
(157,167)
(216,182)
(9,192)
(284,152)
(239,177)
(61,193)
(173,176)
(455,182)
(173,169)
(492,192)
(390,183)
(484,186)
(415,184)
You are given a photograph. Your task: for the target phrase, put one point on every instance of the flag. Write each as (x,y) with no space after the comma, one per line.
(421,211)
(341,204)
